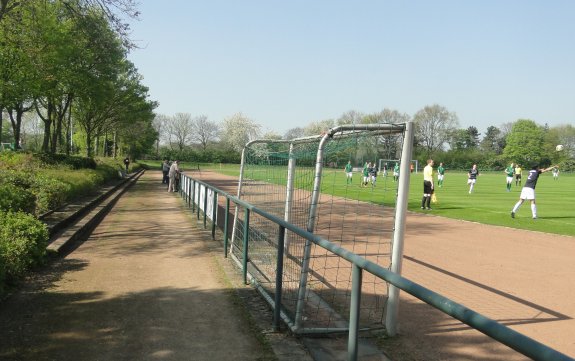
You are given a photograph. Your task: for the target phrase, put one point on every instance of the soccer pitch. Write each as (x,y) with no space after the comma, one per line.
(490,203)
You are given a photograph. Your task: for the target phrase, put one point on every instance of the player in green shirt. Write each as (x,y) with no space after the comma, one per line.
(348,172)
(509,171)
(440,174)
(396,172)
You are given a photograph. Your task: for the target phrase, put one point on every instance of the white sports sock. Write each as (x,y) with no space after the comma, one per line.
(516,207)
(534,210)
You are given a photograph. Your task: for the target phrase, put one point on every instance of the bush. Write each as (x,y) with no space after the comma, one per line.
(70,161)
(23,241)
(16,199)
(50,193)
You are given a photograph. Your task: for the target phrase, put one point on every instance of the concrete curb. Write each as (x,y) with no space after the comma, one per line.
(81,221)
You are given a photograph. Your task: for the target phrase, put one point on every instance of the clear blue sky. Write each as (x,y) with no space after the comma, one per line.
(287,63)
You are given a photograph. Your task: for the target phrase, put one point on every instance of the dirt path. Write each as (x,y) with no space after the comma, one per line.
(522,279)
(142,287)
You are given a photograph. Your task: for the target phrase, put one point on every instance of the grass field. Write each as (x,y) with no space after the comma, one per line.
(490,203)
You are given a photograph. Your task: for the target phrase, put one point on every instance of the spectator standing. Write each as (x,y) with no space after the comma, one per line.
(165,171)
(173,174)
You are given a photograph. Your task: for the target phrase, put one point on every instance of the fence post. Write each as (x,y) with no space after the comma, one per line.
(189,192)
(226,222)
(199,197)
(245,239)
(355,303)
(214,213)
(205,205)
(193,196)
(279,279)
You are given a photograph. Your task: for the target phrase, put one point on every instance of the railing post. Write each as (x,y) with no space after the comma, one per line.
(199,197)
(226,222)
(279,279)
(205,205)
(193,196)
(245,245)
(352,344)
(214,213)
(189,192)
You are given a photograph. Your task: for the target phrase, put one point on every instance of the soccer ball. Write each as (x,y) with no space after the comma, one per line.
(559,148)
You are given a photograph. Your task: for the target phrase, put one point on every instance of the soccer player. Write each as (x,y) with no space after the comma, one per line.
(365,174)
(509,171)
(528,192)
(472,177)
(427,185)
(440,174)
(373,174)
(396,172)
(348,172)
(555,173)
(518,171)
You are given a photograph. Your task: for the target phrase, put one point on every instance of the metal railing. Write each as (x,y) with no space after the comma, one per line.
(191,192)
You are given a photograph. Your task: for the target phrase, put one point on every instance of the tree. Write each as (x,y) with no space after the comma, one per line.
(472,137)
(294,133)
(524,144)
(318,127)
(492,141)
(459,139)
(350,117)
(204,131)
(180,129)
(237,130)
(434,126)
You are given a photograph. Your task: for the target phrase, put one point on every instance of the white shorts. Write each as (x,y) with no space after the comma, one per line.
(527,193)
(349,174)
(471,181)
(509,179)
(395,174)
(440,177)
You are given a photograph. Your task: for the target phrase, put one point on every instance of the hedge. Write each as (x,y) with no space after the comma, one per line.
(23,241)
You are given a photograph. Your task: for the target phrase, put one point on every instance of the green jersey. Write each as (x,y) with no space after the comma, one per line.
(441,170)
(348,168)
(396,168)
(509,170)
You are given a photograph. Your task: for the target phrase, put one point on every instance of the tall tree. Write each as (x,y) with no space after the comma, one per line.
(204,131)
(434,125)
(237,130)
(180,129)
(524,144)
(492,141)
(472,137)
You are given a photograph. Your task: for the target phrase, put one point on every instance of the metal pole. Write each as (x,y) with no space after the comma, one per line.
(214,213)
(189,192)
(245,239)
(205,205)
(289,195)
(193,196)
(279,279)
(199,198)
(355,303)
(399,229)
(240,186)
(226,222)
(310,227)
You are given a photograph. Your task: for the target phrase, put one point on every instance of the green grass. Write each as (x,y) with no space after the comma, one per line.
(490,203)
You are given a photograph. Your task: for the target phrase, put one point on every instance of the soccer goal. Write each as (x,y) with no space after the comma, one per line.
(304,182)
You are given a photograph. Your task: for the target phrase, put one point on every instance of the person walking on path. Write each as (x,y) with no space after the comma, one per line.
(528,192)
(172,175)
(127,164)
(472,177)
(440,174)
(427,185)
(348,172)
(509,171)
(165,172)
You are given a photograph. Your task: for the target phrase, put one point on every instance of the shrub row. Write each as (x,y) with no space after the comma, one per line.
(23,241)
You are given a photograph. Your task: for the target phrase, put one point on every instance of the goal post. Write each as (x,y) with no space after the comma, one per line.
(297,180)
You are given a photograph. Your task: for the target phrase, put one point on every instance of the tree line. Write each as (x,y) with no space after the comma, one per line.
(438,135)
(66,74)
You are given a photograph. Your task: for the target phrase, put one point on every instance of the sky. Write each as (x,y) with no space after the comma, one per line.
(286,63)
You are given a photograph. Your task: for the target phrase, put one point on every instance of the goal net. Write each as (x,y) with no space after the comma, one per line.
(305,182)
